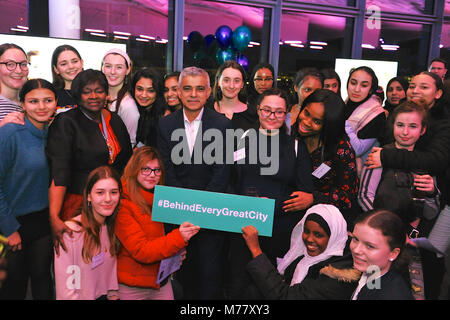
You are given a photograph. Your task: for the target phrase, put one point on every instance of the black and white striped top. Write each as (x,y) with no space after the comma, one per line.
(8,106)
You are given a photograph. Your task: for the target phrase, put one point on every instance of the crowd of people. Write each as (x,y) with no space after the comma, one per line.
(356,181)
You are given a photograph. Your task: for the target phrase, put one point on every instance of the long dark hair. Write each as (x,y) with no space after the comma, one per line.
(333,120)
(58,81)
(148,121)
(217,92)
(176,75)
(301,76)
(331,74)
(372,74)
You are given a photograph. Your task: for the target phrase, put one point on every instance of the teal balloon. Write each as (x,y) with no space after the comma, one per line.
(241,38)
(223,55)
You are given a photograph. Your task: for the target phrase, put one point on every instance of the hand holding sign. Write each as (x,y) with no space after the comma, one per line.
(211,210)
(250,235)
(188,230)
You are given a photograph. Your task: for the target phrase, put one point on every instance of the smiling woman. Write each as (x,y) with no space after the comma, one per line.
(24,175)
(144,242)
(315,267)
(293,174)
(146,89)
(81,140)
(230,95)
(66,64)
(116,65)
(378,243)
(13,75)
(88,270)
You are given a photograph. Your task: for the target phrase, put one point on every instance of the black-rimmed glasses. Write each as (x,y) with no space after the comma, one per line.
(146,171)
(12,65)
(266,113)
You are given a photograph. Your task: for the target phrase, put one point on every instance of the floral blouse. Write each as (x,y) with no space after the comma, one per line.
(339,186)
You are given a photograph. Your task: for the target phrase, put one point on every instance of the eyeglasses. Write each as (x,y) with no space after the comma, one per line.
(266,113)
(12,65)
(146,171)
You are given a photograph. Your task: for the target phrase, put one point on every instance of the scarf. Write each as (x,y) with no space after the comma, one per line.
(335,247)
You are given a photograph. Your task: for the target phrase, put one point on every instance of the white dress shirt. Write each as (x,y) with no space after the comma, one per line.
(191,129)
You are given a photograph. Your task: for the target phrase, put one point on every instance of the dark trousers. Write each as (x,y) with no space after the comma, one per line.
(202,273)
(32,262)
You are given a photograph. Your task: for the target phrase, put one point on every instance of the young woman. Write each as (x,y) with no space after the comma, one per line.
(66,65)
(430,154)
(395,93)
(378,250)
(147,92)
(320,125)
(291,172)
(261,79)
(88,269)
(229,95)
(13,75)
(79,141)
(391,188)
(306,82)
(116,65)
(144,242)
(331,80)
(171,91)
(24,176)
(315,267)
(365,117)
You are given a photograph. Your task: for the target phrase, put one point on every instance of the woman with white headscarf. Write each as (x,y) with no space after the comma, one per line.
(315,267)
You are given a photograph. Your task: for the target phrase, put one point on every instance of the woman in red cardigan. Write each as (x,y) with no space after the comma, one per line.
(144,242)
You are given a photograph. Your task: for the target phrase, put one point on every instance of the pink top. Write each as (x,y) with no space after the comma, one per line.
(76,280)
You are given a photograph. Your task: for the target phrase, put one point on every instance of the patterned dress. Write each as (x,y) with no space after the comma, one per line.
(339,186)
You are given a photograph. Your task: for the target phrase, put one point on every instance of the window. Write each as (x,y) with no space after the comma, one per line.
(14,16)
(416,7)
(206,17)
(311,40)
(406,43)
(340,3)
(140,24)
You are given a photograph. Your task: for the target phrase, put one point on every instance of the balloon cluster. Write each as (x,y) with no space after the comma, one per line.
(224,45)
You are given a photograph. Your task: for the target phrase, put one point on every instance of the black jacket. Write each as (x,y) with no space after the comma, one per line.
(76,146)
(392,286)
(332,279)
(431,153)
(201,176)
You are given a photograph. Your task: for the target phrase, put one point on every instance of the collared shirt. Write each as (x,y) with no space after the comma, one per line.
(191,129)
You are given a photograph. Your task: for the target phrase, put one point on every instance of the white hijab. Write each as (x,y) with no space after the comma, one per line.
(335,247)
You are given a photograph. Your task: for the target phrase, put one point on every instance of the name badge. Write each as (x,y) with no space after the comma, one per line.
(98,260)
(239,154)
(321,171)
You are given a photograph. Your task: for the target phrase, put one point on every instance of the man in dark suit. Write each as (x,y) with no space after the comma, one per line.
(181,143)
